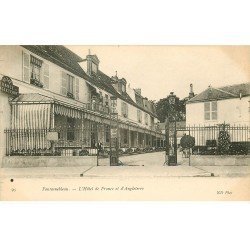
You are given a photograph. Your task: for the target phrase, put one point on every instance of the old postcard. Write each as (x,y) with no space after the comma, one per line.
(124,122)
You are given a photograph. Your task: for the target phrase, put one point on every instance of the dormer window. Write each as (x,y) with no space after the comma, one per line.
(92,64)
(123,88)
(94,68)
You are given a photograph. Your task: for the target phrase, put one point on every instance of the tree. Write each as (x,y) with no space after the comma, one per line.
(187,141)
(223,142)
(165,109)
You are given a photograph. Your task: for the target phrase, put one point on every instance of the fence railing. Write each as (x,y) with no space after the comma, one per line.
(98,108)
(221,139)
(34,142)
(71,142)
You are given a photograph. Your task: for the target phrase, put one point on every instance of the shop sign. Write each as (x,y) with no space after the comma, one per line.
(8,87)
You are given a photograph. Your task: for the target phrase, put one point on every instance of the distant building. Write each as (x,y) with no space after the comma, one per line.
(218,111)
(229,105)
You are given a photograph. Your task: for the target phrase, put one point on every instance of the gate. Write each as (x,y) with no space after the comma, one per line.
(171,144)
(174,154)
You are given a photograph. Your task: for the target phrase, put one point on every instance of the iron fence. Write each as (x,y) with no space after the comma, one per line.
(34,142)
(75,141)
(220,139)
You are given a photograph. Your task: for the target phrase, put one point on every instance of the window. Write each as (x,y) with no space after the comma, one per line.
(146,118)
(68,87)
(210,110)
(139,115)
(77,89)
(107,134)
(71,126)
(35,66)
(123,88)
(32,70)
(106,100)
(124,109)
(120,87)
(151,120)
(94,68)
(100,97)
(35,71)
(46,75)
(125,136)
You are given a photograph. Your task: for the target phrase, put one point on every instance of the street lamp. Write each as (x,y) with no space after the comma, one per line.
(114,126)
(170,133)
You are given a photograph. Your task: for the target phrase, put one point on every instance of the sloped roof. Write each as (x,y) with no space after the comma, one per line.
(226,92)
(105,82)
(32,98)
(68,60)
(59,55)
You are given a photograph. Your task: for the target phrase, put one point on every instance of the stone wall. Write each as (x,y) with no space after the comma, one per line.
(220,160)
(48,161)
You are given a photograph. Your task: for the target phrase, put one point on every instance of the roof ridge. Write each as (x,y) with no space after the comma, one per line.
(224,91)
(235,84)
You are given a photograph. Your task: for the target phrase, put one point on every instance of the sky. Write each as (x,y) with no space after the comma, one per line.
(158,70)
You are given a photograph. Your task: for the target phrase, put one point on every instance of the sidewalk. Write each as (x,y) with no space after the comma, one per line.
(126,172)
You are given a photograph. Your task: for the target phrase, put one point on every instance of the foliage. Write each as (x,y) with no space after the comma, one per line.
(223,142)
(165,109)
(187,141)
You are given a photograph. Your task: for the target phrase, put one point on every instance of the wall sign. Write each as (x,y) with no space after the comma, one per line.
(8,87)
(52,136)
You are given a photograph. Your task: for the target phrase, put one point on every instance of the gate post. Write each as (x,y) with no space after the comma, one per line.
(166,142)
(114,133)
(171,135)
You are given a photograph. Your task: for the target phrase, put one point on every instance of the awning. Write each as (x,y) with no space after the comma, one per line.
(32,98)
(30,116)
(69,112)
(31,111)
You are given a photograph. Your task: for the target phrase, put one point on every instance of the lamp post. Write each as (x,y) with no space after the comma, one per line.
(170,133)
(113,146)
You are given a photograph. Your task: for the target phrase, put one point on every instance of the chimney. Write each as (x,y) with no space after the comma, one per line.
(191,92)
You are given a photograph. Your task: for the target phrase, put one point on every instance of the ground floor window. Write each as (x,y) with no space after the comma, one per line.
(125,138)
(107,134)
(71,122)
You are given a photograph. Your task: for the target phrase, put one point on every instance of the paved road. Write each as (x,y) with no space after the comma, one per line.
(143,165)
(149,159)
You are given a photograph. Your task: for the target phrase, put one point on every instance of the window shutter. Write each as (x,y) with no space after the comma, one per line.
(64,84)
(207,110)
(214,106)
(123,108)
(46,75)
(26,67)
(77,89)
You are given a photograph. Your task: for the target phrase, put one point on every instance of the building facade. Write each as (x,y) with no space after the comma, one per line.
(47,89)
(229,104)
(219,113)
